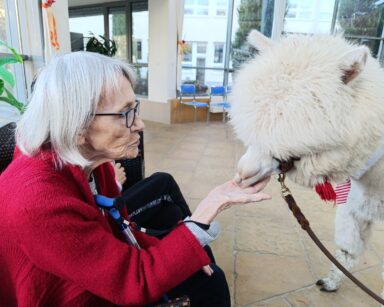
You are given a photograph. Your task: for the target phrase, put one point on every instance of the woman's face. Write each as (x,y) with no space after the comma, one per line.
(108,137)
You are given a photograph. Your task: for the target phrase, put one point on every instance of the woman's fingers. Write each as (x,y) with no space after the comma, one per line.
(207,270)
(258,186)
(248,198)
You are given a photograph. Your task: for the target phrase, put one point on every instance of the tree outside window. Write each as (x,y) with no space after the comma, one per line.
(219,53)
(359,19)
(250,15)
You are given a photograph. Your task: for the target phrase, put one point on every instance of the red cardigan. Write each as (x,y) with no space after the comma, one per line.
(57,249)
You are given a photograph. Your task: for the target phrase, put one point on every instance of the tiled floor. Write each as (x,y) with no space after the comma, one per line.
(268,259)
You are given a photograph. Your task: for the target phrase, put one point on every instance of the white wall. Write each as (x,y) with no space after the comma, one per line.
(162,50)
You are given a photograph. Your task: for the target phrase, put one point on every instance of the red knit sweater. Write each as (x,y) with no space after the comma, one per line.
(57,249)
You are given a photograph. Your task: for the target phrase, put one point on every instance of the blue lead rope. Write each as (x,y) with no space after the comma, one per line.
(113,207)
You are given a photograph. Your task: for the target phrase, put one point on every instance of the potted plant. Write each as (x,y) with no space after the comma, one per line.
(101,45)
(7,81)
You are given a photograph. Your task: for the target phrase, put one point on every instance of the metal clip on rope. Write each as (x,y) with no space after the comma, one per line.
(287,195)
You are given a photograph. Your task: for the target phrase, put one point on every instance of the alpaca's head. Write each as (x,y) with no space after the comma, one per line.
(300,97)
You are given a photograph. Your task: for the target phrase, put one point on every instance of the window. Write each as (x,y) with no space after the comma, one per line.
(3,31)
(201,48)
(309,16)
(196,7)
(139,48)
(219,53)
(118,31)
(188,52)
(131,38)
(189,8)
(84,23)
(300,9)
(221,7)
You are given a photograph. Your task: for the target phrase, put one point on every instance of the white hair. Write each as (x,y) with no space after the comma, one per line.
(65,97)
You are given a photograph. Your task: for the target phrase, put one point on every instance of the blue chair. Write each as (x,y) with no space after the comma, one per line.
(189,91)
(224,104)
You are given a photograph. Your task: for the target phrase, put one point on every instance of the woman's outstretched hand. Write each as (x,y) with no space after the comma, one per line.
(225,196)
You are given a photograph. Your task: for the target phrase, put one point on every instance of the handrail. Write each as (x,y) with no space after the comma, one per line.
(7,54)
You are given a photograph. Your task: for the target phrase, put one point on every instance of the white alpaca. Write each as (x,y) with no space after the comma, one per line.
(321,99)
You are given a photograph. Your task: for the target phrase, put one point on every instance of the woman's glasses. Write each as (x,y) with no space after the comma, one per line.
(129,115)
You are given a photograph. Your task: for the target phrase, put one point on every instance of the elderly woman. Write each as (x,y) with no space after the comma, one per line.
(57,248)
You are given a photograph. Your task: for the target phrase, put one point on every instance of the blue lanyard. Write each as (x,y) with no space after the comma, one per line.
(113,207)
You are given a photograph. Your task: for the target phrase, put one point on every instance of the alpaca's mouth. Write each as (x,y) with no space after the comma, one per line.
(250,181)
(286,165)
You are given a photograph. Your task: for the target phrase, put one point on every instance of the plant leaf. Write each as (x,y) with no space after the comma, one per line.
(1,86)
(17,56)
(8,60)
(13,101)
(7,76)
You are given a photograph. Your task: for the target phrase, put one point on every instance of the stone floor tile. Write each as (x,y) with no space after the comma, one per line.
(347,296)
(267,258)
(278,302)
(264,237)
(262,276)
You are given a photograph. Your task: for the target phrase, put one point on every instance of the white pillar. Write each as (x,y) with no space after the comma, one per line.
(162,60)
(278,19)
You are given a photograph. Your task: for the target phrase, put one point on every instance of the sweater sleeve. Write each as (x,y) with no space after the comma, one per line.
(69,238)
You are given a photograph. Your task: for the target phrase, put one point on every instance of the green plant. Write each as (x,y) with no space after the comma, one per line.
(7,79)
(101,45)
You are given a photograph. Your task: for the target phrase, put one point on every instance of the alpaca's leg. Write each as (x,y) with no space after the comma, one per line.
(351,234)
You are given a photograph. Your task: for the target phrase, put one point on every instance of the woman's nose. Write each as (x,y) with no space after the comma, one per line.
(138,124)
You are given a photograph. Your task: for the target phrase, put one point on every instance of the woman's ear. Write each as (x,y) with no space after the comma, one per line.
(260,42)
(353,63)
(80,139)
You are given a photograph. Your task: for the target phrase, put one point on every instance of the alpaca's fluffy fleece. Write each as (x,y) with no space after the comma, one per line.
(290,101)
(321,99)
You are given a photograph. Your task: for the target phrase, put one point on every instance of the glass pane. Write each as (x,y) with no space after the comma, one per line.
(201,48)
(221,12)
(219,53)
(188,47)
(305,15)
(309,16)
(118,31)
(201,11)
(142,80)
(202,2)
(359,19)
(140,34)
(188,11)
(82,27)
(3,26)
(249,15)
(140,52)
(201,53)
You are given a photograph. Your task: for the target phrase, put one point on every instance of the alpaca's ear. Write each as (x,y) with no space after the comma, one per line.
(353,63)
(257,40)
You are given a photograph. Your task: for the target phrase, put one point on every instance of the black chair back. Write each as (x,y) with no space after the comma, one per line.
(7,145)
